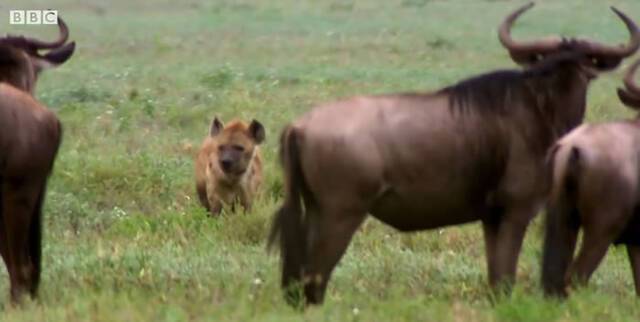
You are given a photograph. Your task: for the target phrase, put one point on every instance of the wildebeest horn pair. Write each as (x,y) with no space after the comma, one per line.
(59,49)
(473,151)
(530,52)
(34,44)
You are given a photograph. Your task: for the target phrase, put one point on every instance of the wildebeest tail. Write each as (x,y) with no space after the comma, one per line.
(289,227)
(35,228)
(562,219)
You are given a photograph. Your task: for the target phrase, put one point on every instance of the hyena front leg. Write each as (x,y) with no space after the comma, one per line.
(246,200)
(215,203)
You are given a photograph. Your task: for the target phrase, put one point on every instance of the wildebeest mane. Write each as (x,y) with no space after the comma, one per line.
(12,64)
(496,91)
(9,56)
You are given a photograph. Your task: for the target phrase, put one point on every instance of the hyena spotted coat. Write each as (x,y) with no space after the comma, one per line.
(229,165)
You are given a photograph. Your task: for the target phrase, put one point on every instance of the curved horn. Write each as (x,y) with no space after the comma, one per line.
(518,49)
(630,95)
(629,82)
(64,35)
(617,51)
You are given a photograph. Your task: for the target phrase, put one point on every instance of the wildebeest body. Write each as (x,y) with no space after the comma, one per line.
(32,136)
(428,164)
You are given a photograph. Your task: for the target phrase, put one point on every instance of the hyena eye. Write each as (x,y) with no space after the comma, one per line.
(238,148)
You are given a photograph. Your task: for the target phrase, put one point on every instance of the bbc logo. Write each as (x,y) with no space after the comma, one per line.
(33,17)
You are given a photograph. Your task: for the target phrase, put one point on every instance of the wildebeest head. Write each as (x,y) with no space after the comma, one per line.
(21,60)
(630,95)
(593,56)
(235,144)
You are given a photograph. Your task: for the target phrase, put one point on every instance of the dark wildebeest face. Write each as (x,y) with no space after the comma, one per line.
(21,61)
(473,151)
(596,186)
(30,136)
(235,145)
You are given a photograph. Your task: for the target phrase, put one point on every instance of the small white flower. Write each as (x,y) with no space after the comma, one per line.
(356,311)
(257,281)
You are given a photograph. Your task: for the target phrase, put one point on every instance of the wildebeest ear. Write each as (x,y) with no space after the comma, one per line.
(55,57)
(628,99)
(257,131)
(216,127)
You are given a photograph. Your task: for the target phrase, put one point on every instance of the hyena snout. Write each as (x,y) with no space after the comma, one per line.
(231,161)
(226,164)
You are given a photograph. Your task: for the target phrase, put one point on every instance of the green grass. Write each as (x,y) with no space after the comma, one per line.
(125,239)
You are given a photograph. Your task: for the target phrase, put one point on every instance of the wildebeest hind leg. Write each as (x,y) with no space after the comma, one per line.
(18,204)
(594,246)
(330,233)
(634,258)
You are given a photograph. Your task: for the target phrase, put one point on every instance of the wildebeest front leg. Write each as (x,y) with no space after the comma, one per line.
(490,229)
(330,233)
(508,242)
(634,259)
(19,201)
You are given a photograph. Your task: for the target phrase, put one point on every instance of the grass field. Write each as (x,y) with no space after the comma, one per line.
(125,239)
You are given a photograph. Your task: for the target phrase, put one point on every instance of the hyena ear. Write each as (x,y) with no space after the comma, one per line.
(257,131)
(216,127)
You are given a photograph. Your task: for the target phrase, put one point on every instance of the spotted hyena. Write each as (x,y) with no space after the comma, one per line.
(229,165)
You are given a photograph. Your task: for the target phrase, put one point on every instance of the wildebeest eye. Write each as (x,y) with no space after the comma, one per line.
(238,148)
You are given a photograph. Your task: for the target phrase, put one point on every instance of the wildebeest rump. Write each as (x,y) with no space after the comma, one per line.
(471,151)
(29,139)
(596,186)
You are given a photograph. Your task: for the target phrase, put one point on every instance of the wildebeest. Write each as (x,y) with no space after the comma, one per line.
(471,151)
(30,135)
(596,186)
(229,165)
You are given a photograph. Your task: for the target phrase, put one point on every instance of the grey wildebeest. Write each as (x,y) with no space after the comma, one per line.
(29,139)
(596,186)
(472,151)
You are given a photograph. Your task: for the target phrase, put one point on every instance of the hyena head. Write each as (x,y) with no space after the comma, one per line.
(234,146)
